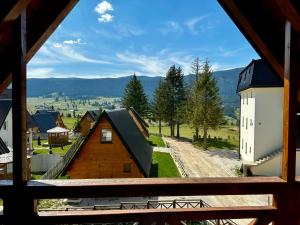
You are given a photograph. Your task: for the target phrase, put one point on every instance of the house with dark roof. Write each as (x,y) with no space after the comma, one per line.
(114,148)
(46,120)
(261,99)
(140,122)
(87,122)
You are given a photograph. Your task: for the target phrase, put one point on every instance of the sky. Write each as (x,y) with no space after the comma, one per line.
(116,38)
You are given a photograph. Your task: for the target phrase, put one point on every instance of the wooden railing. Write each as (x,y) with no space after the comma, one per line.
(57,189)
(56,170)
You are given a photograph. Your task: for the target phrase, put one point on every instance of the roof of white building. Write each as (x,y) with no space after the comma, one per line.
(256,75)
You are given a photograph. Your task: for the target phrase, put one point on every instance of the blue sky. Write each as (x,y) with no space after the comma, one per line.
(116,38)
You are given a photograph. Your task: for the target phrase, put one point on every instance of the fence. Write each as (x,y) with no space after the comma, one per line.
(43,162)
(54,171)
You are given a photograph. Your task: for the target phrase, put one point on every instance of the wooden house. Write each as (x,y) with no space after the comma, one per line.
(140,122)
(87,121)
(46,120)
(114,148)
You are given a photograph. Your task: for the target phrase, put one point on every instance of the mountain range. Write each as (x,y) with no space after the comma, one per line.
(114,87)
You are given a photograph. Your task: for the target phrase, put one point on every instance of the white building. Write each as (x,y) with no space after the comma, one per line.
(261,94)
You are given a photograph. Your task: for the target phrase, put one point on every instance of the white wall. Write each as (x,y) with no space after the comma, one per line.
(6,135)
(247,124)
(272,167)
(43,162)
(268,121)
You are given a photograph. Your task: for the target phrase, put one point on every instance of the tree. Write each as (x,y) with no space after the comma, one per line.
(160,105)
(177,98)
(196,69)
(135,97)
(205,105)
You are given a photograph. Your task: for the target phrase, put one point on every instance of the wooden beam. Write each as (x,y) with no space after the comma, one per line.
(156,215)
(11,9)
(43,189)
(290,13)
(19,102)
(43,24)
(289,110)
(251,34)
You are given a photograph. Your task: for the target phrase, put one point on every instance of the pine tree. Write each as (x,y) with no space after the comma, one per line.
(135,97)
(161,104)
(176,98)
(205,105)
(196,69)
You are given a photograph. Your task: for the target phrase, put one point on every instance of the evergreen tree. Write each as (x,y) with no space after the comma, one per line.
(135,97)
(160,105)
(205,105)
(196,69)
(176,98)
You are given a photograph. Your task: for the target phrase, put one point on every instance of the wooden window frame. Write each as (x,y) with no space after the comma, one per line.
(20,193)
(101,136)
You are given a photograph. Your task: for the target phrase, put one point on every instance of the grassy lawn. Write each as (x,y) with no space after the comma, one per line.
(156,140)
(69,122)
(214,144)
(36,176)
(163,165)
(56,150)
(228,134)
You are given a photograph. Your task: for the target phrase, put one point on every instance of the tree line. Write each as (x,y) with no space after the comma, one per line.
(175,102)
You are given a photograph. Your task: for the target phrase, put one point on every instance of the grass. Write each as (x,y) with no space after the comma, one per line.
(55,150)
(36,176)
(228,134)
(69,122)
(216,144)
(163,165)
(156,140)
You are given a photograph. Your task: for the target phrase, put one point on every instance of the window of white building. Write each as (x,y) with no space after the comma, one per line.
(246,147)
(243,122)
(246,123)
(242,143)
(247,98)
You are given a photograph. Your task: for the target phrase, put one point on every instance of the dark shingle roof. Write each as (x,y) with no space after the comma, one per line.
(5,105)
(258,74)
(3,147)
(132,138)
(52,112)
(44,121)
(94,114)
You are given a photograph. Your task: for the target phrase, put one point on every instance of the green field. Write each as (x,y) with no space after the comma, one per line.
(226,137)
(69,122)
(163,165)
(55,150)
(65,105)
(156,140)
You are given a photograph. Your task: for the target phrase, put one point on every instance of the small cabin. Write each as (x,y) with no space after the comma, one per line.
(87,121)
(58,136)
(114,148)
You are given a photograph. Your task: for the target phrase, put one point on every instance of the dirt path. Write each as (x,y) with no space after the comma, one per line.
(214,163)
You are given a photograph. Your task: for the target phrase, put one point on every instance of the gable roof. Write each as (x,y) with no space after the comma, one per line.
(55,114)
(258,74)
(94,114)
(3,148)
(6,94)
(44,121)
(130,135)
(5,106)
(137,118)
(58,130)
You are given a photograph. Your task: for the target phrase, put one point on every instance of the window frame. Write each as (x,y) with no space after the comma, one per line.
(101,136)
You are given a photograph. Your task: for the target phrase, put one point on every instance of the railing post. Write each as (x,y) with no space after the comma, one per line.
(174,204)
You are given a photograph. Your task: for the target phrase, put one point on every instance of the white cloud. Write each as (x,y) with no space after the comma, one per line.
(171,27)
(231,52)
(103,7)
(40,72)
(105,18)
(61,53)
(73,42)
(192,23)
